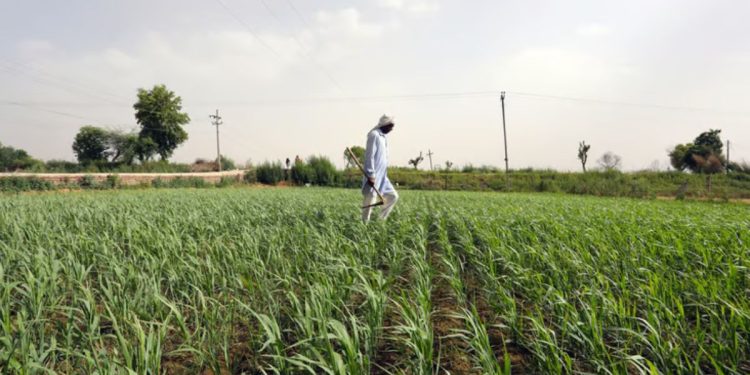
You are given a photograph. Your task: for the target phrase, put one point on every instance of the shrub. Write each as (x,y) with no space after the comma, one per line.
(227,164)
(87,182)
(269,173)
(226,181)
(16,184)
(250,177)
(113,181)
(324,172)
(158,183)
(639,188)
(302,173)
(547,185)
(61,166)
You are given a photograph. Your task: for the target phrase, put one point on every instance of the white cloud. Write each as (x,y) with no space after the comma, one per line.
(411,6)
(346,22)
(553,69)
(33,48)
(593,30)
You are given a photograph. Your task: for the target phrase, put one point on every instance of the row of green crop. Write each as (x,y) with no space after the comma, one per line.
(183,281)
(612,183)
(290,281)
(320,172)
(628,287)
(113,181)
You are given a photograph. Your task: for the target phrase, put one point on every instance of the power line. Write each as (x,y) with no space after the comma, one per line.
(250,29)
(46,110)
(628,104)
(299,15)
(433,96)
(303,48)
(427,96)
(36,68)
(52,81)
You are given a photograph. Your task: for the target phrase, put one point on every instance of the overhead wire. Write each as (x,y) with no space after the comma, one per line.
(249,28)
(61,113)
(52,81)
(302,47)
(628,104)
(440,96)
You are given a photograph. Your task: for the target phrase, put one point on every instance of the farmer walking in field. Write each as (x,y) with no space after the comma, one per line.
(376,171)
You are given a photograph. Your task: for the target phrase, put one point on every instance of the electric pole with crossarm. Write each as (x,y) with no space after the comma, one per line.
(216,121)
(505,138)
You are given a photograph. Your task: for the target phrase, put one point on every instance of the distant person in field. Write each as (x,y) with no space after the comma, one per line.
(376,170)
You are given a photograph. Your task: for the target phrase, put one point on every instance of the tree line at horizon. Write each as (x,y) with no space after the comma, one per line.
(158,113)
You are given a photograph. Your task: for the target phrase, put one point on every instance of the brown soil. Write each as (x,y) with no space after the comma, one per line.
(242,358)
(520,358)
(391,357)
(453,352)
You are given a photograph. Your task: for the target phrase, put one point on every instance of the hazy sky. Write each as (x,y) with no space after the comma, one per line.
(301,77)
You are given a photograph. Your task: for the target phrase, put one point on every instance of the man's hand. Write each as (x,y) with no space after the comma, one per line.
(371,181)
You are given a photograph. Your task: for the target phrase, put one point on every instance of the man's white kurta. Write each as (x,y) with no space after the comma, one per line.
(376,163)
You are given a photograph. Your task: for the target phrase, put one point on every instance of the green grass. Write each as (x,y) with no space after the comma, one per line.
(289,281)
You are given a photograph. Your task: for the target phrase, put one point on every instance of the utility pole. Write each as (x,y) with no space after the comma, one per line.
(429,154)
(727,156)
(505,137)
(216,121)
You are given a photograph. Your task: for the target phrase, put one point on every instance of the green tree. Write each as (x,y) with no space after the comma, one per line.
(123,147)
(91,145)
(583,154)
(145,149)
(677,156)
(158,114)
(703,155)
(12,159)
(358,151)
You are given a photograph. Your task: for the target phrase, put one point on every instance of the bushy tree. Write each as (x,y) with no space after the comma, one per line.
(145,149)
(123,147)
(12,159)
(358,151)
(158,112)
(91,145)
(677,156)
(703,155)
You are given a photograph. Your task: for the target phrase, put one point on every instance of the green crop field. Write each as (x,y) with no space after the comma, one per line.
(289,281)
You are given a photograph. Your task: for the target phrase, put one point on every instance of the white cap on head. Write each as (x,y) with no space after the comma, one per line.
(385,120)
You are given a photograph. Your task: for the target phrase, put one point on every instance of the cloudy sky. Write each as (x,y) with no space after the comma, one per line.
(301,77)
